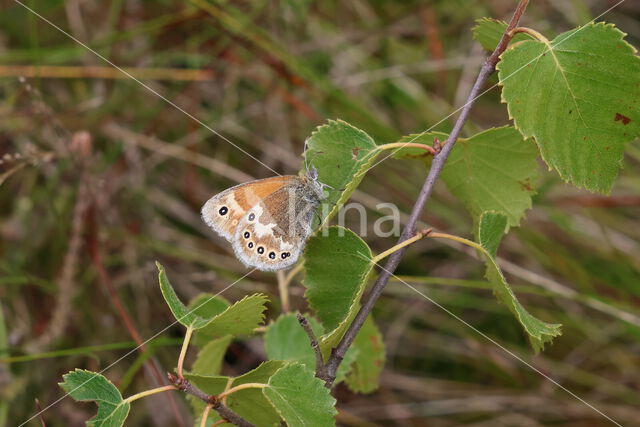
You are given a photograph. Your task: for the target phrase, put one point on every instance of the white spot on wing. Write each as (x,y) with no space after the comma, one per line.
(233,205)
(263,229)
(284,246)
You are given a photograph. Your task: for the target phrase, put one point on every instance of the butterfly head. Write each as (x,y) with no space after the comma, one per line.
(315,192)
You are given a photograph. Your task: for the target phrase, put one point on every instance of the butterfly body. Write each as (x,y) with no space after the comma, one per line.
(267,221)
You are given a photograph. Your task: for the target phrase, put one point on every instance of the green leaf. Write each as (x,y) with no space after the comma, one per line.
(334,293)
(300,398)
(210,358)
(490,231)
(494,170)
(368,364)
(578,97)
(488,33)
(90,386)
(206,305)
(286,340)
(182,314)
(342,154)
(239,319)
(347,363)
(249,403)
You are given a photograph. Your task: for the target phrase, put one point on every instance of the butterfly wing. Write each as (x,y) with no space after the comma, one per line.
(224,211)
(272,234)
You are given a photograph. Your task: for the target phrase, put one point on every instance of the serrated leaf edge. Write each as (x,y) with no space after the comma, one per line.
(566,177)
(540,338)
(356,173)
(257,295)
(121,403)
(315,379)
(328,337)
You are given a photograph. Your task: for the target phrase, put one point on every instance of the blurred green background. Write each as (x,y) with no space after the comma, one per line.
(100,178)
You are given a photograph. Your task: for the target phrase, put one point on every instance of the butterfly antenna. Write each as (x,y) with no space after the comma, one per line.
(333,188)
(318,216)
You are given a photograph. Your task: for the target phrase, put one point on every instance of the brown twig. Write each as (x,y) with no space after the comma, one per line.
(80,146)
(98,72)
(185,386)
(320,373)
(437,165)
(152,366)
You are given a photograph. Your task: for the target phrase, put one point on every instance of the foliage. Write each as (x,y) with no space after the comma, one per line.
(369,361)
(264,77)
(286,340)
(334,293)
(494,170)
(341,154)
(490,231)
(249,403)
(575,96)
(238,319)
(90,386)
(488,33)
(300,397)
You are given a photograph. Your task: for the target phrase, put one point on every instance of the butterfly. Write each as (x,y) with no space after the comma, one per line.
(267,221)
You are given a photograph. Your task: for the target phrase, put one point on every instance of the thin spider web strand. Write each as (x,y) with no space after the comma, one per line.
(144,85)
(494,342)
(490,89)
(134,349)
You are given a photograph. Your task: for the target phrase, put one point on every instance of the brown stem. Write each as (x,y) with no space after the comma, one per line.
(216,404)
(230,416)
(314,345)
(439,160)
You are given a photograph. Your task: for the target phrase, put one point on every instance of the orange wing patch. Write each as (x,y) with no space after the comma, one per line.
(224,211)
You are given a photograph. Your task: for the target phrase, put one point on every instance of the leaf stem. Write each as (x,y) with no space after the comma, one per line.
(149,392)
(457,239)
(183,351)
(439,160)
(283,290)
(530,31)
(419,235)
(295,270)
(393,145)
(205,415)
(238,388)
(283,285)
(227,386)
